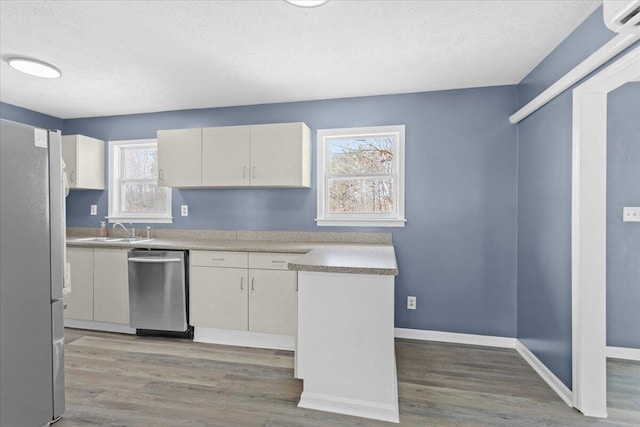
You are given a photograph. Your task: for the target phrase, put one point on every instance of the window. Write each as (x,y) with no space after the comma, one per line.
(361,177)
(134,195)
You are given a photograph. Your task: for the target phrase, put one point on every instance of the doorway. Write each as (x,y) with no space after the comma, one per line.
(588,232)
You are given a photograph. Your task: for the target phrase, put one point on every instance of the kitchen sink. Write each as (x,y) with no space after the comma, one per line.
(114,239)
(137,239)
(99,239)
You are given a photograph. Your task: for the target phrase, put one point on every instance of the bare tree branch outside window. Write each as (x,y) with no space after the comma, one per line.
(139,190)
(361,175)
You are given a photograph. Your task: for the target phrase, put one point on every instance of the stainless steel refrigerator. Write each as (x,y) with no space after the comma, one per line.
(31,276)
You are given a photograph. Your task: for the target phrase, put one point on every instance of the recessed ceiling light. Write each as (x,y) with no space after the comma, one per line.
(307,3)
(35,68)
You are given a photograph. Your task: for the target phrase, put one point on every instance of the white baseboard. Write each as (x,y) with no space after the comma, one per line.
(99,326)
(548,376)
(451,337)
(625,353)
(244,338)
(353,407)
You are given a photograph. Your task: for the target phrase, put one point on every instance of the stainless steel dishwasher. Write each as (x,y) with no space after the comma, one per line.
(158,292)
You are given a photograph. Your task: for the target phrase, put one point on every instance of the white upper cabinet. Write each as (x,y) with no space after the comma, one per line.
(281,155)
(84,162)
(226,156)
(180,158)
(273,155)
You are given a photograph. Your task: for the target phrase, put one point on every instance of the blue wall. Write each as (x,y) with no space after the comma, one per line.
(22,115)
(544,204)
(623,238)
(457,253)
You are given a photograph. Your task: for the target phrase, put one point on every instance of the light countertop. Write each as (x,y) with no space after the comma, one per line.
(345,258)
(353,258)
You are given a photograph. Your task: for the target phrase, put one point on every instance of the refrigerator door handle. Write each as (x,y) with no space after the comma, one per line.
(56,214)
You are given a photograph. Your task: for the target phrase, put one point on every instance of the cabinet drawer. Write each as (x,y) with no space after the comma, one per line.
(219,259)
(271,261)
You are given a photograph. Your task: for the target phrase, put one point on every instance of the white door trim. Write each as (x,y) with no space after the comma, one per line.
(588,233)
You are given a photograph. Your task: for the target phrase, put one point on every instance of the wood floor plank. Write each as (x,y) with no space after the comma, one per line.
(180,348)
(123,380)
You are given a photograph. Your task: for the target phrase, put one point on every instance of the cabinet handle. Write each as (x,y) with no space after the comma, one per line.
(252,279)
(253,175)
(161,175)
(217,259)
(72,176)
(244,172)
(242,283)
(277,262)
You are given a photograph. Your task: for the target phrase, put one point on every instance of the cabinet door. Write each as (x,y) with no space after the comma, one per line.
(179,158)
(110,286)
(273,299)
(226,156)
(281,155)
(90,163)
(84,161)
(80,300)
(218,298)
(69,156)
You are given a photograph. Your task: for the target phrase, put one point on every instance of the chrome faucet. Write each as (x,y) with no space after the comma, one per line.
(131,232)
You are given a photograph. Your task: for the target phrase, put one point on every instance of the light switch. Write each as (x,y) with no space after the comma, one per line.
(94,209)
(184,210)
(631,214)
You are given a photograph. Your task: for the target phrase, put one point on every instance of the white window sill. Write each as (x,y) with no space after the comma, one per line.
(128,220)
(353,222)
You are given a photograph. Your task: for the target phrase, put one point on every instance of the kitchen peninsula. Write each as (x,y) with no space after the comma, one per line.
(345,349)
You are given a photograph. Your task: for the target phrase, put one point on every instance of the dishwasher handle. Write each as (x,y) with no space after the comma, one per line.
(155,260)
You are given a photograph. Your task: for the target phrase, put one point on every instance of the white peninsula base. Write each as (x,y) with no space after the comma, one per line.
(346,352)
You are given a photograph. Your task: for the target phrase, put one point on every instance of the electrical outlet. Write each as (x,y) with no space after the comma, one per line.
(411,303)
(631,214)
(94,209)
(184,210)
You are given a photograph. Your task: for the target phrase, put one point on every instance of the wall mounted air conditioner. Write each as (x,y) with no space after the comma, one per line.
(622,15)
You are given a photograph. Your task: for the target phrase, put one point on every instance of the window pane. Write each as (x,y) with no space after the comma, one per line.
(139,163)
(144,198)
(361,156)
(361,195)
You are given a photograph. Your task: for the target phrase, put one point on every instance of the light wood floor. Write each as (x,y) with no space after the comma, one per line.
(120,380)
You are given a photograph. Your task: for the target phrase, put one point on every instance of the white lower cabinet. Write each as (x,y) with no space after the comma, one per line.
(110,286)
(80,301)
(99,285)
(240,298)
(218,298)
(272,302)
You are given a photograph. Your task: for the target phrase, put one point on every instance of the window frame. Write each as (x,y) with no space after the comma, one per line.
(116,184)
(361,219)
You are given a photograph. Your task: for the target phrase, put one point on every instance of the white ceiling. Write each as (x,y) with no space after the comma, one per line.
(121,57)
